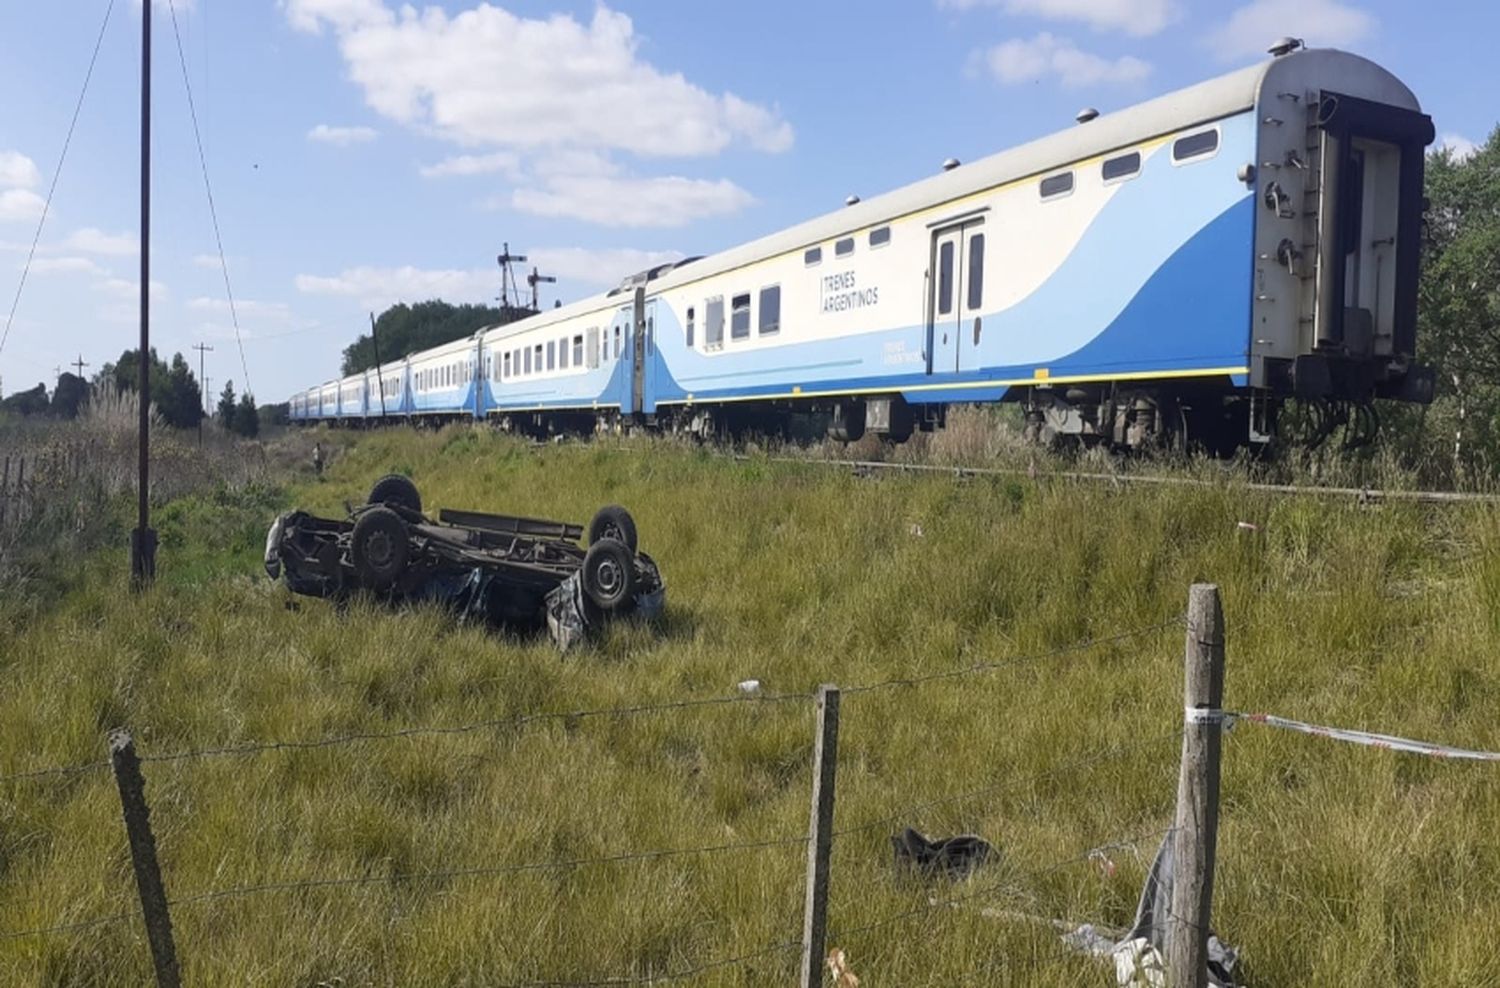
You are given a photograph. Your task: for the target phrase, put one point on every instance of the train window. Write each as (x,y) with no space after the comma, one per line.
(593,347)
(690,327)
(1199,145)
(528,360)
(713,323)
(770,310)
(505,369)
(537,360)
(1123,167)
(1057,185)
(650,333)
(551,354)
(739,317)
(880,237)
(843,248)
(578,350)
(617,343)
(945,278)
(562,354)
(976,271)
(813,255)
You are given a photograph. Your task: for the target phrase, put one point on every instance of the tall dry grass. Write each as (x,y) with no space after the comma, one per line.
(1337,865)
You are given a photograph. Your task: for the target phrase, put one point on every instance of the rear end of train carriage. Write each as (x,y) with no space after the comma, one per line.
(1290,269)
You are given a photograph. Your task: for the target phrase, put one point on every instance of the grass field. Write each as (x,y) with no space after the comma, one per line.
(1338,866)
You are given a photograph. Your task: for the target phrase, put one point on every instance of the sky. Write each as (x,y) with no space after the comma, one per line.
(362,152)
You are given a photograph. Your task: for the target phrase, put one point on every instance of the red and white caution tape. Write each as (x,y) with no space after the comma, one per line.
(1365,738)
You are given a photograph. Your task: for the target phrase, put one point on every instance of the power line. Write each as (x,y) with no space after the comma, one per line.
(56,174)
(213,211)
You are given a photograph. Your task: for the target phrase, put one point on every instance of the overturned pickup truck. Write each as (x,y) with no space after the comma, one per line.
(512,572)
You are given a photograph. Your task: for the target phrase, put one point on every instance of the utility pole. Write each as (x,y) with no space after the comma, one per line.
(143,539)
(80,363)
(380,384)
(202,349)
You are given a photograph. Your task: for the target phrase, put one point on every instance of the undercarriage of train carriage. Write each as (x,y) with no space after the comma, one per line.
(1207,419)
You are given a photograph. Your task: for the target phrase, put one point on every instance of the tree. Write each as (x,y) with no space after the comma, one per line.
(246,418)
(1459,330)
(404,329)
(174,389)
(69,395)
(226,407)
(33,402)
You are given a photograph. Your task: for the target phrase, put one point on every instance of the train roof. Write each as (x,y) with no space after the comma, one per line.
(1229,94)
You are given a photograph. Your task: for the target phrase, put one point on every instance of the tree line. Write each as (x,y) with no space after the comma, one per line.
(175,393)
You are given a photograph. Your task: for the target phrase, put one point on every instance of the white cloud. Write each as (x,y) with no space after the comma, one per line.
(1022,60)
(377,288)
(1139,18)
(18,171)
(507,163)
(246,308)
(485,76)
(597,267)
(1252,28)
(341,137)
(20,204)
(66,265)
(1459,146)
(635,202)
(127,290)
(91,240)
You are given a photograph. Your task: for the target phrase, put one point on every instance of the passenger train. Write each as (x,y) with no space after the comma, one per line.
(1172,271)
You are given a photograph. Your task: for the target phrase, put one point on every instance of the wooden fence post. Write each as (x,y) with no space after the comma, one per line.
(4,491)
(132,784)
(1195,835)
(820,837)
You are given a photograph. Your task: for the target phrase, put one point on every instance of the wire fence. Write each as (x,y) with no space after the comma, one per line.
(488,869)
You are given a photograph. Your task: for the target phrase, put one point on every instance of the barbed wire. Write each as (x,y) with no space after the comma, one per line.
(991,666)
(1056,770)
(1009,882)
(522,720)
(65,927)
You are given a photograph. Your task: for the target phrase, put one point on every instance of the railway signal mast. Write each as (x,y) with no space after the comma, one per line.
(535,278)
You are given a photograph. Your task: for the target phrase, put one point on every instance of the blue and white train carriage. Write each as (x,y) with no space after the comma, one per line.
(1174,270)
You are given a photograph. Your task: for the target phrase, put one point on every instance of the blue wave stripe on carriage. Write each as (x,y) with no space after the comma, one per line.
(1151,222)
(1208,275)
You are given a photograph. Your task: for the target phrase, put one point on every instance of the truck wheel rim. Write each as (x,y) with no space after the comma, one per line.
(609,577)
(378,548)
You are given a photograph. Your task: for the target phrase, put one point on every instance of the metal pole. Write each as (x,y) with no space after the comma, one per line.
(143,539)
(202,381)
(1195,835)
(379,384)
(820,838)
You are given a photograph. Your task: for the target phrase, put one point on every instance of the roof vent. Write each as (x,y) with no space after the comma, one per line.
(1086,114)
(851,200)
(1286,46)
(950,164)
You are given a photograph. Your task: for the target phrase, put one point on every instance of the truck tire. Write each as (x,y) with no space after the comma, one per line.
(396,489)
(609,575)
(379,548)
(614,522)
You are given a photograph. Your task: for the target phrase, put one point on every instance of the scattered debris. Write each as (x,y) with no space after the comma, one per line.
(1138,954)
(955,858)
(750,686)
(838,966)
(1246,526)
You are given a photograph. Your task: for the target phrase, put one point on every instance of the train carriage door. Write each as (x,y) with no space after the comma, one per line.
(957,256)
(618,345)
(480,379)
(638,354)
(651,359)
